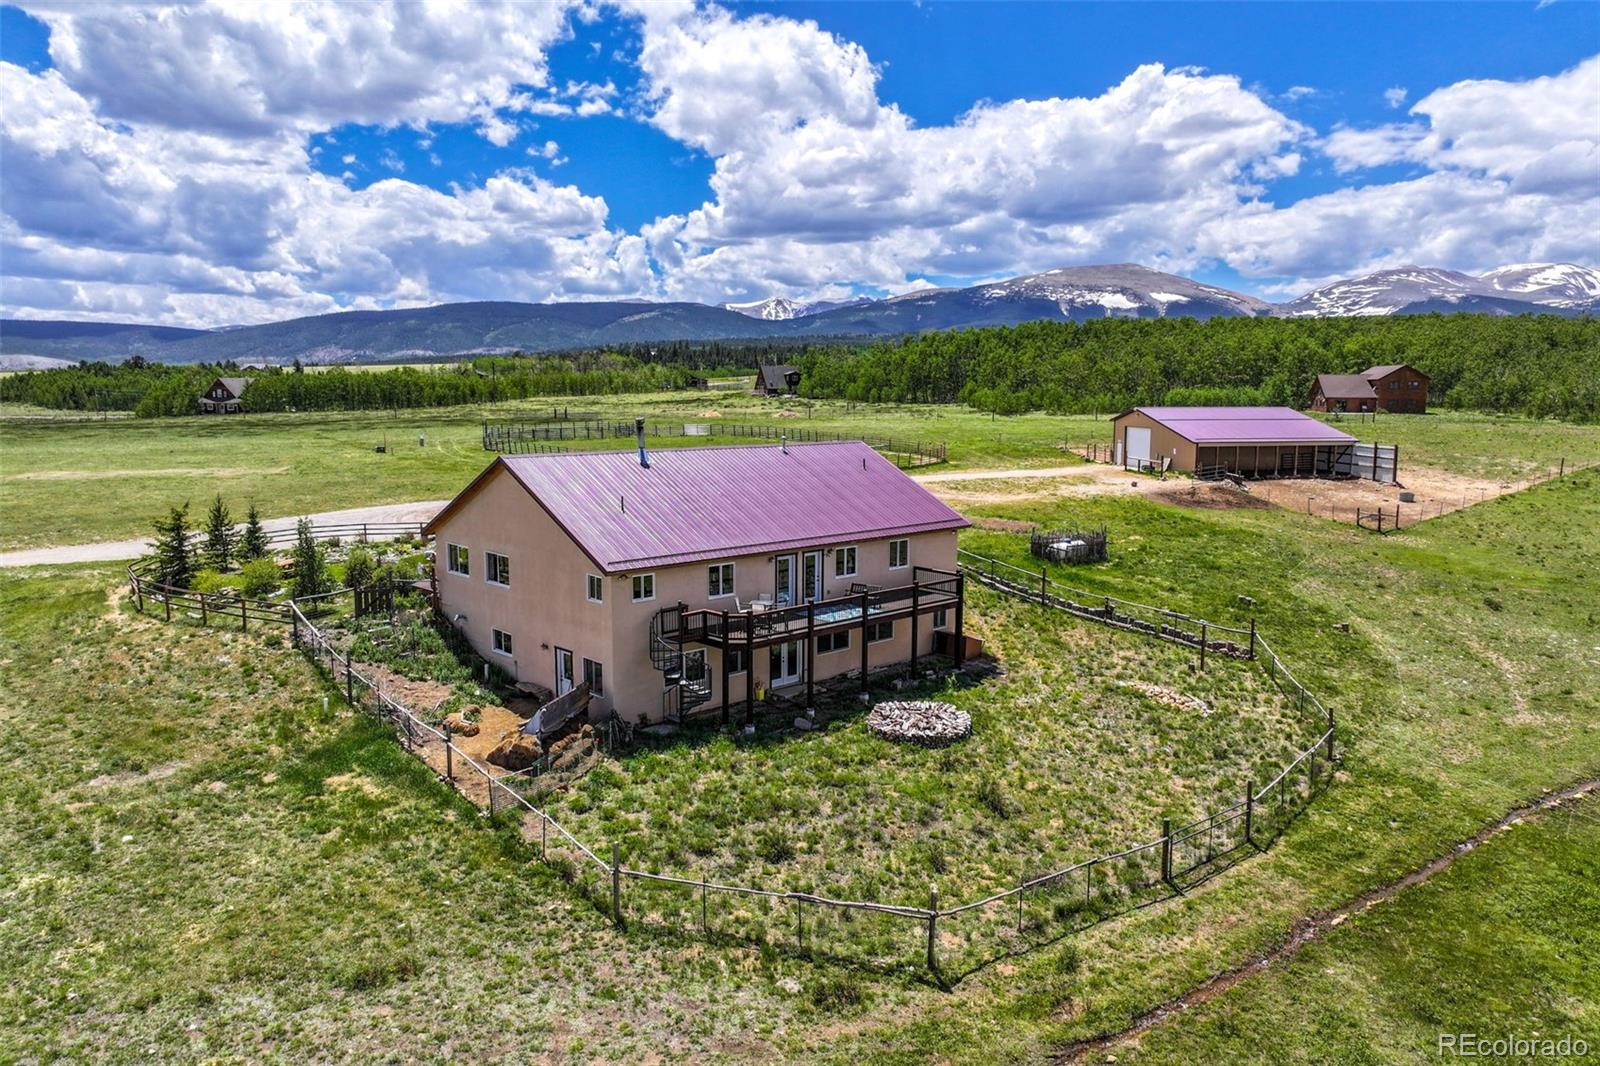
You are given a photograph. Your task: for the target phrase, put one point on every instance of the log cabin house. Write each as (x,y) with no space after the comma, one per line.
(684,581)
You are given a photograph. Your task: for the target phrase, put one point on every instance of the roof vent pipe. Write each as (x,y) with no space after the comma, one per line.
(638,429)
(783,442)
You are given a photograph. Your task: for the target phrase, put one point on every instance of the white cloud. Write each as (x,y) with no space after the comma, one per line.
(193,228)
(245,69)
(1395,96)
(1512,175)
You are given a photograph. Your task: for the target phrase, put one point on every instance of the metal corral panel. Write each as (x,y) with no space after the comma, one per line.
(694,504)
(1380,462)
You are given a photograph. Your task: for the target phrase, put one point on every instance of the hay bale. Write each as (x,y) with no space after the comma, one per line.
(926,722)
(517,752)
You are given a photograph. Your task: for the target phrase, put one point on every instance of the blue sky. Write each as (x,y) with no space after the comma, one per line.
(805,149)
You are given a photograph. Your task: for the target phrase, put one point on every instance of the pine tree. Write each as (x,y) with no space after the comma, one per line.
(174,562)
(253,545)
(310,567)
(221,540)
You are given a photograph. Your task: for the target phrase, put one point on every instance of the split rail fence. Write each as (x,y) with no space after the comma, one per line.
(526,438)
(947,940)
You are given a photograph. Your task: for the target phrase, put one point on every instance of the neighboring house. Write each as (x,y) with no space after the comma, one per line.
(1402,389)
(1342,392)
(1248,441)
(222,396)
(681,582)
(777,381)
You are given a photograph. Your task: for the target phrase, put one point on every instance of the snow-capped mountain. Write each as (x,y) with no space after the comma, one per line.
(1556,284)
(1070,293)
(1124,290)
(772,309)
(1413,290)
(780,309)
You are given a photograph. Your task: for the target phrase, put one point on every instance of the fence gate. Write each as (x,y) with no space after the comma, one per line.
(1377,462)
(375,599)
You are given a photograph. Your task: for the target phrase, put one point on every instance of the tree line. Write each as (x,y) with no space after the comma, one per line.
(1540,365)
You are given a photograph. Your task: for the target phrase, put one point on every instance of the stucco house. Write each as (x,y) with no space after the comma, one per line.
(687,580)
(223,395)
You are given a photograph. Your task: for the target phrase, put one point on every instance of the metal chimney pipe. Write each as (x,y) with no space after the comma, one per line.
(783,442)
(638,429)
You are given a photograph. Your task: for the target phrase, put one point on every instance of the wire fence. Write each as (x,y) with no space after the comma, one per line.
(520,438)
(945,940)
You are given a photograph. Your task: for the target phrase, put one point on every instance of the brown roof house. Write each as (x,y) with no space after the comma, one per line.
(223,396)
(777,380)
(690,580)
(1400,388)
(1342,392)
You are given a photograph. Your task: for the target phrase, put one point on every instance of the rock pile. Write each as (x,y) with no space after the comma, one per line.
(1178,701)
(926,722)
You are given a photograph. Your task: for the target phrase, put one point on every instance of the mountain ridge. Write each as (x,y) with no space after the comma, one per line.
(1079,294)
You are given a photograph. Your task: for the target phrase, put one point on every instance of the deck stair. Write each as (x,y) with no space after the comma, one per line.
(666,654)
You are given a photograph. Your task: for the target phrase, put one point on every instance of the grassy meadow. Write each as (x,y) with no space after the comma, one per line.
(198,862)
(74,482)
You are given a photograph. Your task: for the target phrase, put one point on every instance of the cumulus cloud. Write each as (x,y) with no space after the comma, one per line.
(815,176)
(258,69)
(180,225)
(1513,174)
(162,170)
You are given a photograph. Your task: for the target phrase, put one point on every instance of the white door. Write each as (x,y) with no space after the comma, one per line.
(811,575)
(1138,445)
(563,671)
(783,580)
(785,662)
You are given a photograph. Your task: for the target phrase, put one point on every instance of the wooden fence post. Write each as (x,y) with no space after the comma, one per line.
(1044,579)
(1249,812)
(1203,640)
(166,599)
(705,925)
(1166,850)
(616,883)
(933,929)
(449,763)
(350,684)
(204,618)
(244,615)
(1252,639)
(1330,741)
(544,833)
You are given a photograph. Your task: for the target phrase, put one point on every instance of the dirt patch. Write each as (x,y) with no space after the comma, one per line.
(1436,492)
(786,413)
(128,777)
(422,697)
(708,414)
(494,725)
(1208,496)
(1314,927)
(347,781)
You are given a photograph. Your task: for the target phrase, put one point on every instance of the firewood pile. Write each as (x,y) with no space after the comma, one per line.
(926,722)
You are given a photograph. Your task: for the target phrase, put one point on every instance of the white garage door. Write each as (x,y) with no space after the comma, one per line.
(1138,445)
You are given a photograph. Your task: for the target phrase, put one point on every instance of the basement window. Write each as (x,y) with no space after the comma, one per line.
(502,642)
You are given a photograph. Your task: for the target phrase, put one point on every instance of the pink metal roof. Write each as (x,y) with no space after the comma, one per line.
(1245,425)
(712,503)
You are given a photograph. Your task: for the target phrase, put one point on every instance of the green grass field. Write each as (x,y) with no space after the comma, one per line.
(198,862)
(66,483)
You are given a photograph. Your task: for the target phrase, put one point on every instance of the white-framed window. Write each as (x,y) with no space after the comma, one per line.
(594,677)
(877,632)
(594,588)
(899,554)
(844,561)
(838,641)
(497,569)
(457,559)
(719,580)
(644,587)
(941,618)
(737,663)
(502,642)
